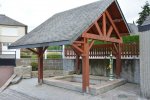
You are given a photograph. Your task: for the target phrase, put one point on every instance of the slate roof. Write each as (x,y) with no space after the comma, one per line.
(147,21)
(63,28)
(133,28)
(5,20)
(146,25)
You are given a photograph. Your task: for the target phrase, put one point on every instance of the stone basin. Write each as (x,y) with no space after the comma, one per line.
(98,84)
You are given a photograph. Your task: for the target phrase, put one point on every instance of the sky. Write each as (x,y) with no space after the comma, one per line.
(34,12)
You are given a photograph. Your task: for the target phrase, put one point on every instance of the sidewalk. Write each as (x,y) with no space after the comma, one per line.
(29,88)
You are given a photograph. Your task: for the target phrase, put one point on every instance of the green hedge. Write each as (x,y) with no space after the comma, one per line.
(53,56)
(131,39)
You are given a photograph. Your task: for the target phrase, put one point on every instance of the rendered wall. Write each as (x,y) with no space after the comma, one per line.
(145,63)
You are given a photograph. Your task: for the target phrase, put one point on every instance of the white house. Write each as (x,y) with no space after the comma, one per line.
(10,31)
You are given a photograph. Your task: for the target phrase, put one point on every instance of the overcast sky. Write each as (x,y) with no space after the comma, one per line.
(34,12)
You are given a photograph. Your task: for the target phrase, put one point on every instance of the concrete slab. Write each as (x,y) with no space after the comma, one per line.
(44,92)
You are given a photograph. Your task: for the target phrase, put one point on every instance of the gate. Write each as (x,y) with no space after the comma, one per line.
(7,58)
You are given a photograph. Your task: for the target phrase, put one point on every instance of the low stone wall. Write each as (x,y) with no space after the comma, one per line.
(49,64)
(130,68)
(48,73)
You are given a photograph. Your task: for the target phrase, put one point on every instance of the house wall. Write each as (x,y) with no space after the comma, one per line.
(0,47)
(9,34)
(145,63)
(10,39)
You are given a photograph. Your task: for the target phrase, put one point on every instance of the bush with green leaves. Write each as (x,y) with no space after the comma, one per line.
(34,66)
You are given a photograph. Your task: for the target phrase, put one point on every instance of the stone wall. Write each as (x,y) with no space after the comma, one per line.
(49,64)
(130,67)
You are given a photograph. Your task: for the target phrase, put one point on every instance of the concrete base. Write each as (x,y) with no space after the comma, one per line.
(98,84)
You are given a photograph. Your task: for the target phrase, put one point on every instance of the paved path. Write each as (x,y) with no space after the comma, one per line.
(9,94)
(28,90)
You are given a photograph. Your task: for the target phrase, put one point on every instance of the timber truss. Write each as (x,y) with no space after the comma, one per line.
(102,29)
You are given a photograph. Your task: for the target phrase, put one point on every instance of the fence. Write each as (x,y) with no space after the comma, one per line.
(103,51)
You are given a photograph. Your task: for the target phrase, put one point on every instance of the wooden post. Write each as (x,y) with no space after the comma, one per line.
(77,64)
(85,67)
(118,61)
(40,65)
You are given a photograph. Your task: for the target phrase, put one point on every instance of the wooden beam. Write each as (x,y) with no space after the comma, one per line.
(104,24)
(77,48)
(91,44)
(34,51)
(45,49)
(98,28)
(77,64)
(97,37)
(109,31)
(78,42)
(113,24)
(117,20)
(77,52)
(116,49)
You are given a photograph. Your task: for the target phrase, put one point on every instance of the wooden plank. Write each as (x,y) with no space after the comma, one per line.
(7,83)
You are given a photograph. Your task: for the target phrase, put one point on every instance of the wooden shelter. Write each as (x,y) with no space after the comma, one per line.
(79,27)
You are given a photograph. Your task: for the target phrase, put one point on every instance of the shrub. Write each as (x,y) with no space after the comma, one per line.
(34,66)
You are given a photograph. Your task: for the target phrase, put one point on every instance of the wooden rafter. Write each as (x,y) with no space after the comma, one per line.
(109,31)
(113,24)
(98,29)
(104,24)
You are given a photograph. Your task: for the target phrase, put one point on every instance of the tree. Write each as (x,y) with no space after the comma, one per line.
(144,13)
